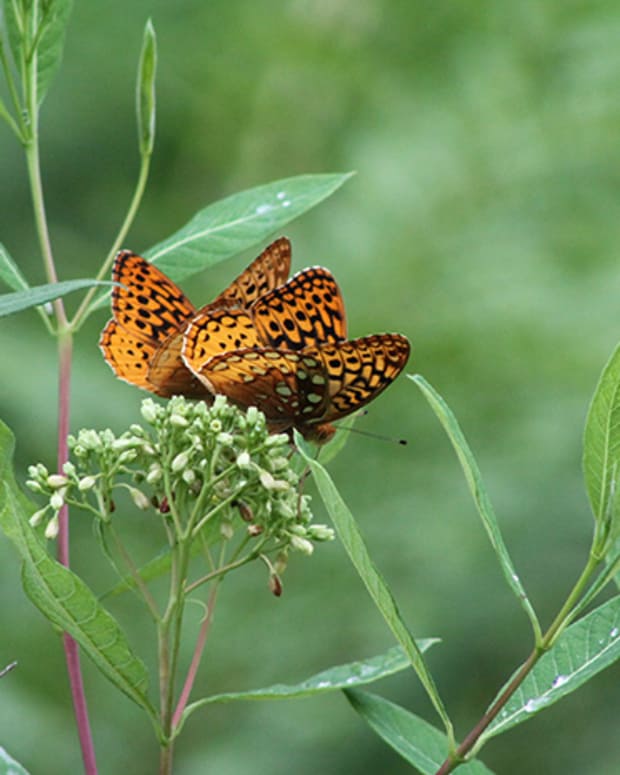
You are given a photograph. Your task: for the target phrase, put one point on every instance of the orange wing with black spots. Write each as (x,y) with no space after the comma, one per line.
(306,310)
(148,309)
(310,388)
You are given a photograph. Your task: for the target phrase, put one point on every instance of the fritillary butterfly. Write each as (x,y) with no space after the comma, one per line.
(304,374)
(143,341)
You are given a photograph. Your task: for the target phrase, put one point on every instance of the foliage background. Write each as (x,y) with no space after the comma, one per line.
(483,223)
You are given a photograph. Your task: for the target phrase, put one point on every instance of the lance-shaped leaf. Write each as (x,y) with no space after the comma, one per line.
(233,224)
(62,596)
(40,294)
(378,589)
(479,493)
(417,741)
(334,679)
(582,650)
(9,271)
(601,445)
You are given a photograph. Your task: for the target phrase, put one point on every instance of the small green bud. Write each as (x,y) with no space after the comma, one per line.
(226,531)
(89,440)
(69,468)
(225,439)
(155,474)
(244,460)
(34,486)
(320,533)
(178,420)
(189,477)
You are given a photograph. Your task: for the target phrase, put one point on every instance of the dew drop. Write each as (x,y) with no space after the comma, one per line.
(281,194)
(286,203)
(536,703)
(262,209)
(323,684)
(614,633)
(558,681)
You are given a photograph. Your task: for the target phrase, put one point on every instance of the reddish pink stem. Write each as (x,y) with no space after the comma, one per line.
(71,647)
(195,663)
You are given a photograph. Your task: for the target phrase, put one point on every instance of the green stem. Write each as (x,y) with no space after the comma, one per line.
(85,307)
(474,739)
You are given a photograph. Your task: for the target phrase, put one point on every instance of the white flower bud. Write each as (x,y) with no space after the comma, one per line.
(226,530)
(225,439)
(34,486)
(86,483)
(139,498)
(55,481)
(244,460)
(149,410)
(37,517)
(189,477)
(68,468)
(178,420)
(126,443)
(57,500)
(155,474)
(89,440)
(51,531)
(251,415)
(302,545)
(320,533)
(180,462)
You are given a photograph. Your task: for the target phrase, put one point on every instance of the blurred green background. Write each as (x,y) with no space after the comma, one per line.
(483,223)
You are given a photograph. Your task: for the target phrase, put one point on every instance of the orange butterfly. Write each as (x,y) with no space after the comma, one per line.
(143,341)
(304,374)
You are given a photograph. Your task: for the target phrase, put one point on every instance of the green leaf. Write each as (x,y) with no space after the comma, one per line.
(40,294)
(231,225)
(9,271)
(601,445)
(419,743)
(582,650)
(479,493)
(53,20)
(61,596)
(8,765)
(355,547)
(335,678)
(145,90)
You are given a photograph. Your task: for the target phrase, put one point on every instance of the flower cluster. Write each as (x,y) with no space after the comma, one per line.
(194,464)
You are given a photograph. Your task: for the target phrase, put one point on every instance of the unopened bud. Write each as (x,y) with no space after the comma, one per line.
(51,531)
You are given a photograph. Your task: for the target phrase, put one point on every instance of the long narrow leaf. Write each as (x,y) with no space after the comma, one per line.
(355,547)
(62,596)
(479,494)
(417,741)
(601,444)
(40,294)
(582,650)
(51,42)
(334,679)
(9,271)
(231,225)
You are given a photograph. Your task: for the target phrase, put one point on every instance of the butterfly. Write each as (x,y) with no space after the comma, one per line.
(143,341)
(305,374)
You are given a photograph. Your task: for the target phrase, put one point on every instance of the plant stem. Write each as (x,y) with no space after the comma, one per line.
(197,656)
(83,310)
(559,624)
(65,349)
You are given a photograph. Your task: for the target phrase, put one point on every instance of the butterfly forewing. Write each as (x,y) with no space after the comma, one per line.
(306,310)
(127,355)
(267,271)
(147,304)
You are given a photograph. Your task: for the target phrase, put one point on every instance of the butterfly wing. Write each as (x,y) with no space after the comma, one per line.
(214,332)
(149,311)
(307,310)
(286,386)
(267,271)
(359,370)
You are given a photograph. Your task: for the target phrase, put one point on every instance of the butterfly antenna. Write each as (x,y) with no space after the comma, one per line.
(371,435)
